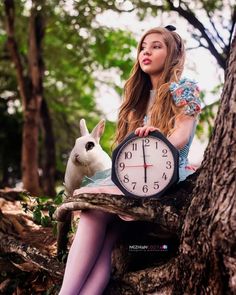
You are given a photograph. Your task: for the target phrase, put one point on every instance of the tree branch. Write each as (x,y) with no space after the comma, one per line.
(32,255)
(217,33)
(190,17)
(231,32)
(168,212)
(161,275)
(13,48)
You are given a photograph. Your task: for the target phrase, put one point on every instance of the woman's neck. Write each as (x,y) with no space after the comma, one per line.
(151,100)
(154,80)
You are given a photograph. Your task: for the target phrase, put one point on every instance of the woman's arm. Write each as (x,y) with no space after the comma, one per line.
(184,126)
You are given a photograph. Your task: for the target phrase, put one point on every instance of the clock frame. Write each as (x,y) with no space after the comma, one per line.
(133,141)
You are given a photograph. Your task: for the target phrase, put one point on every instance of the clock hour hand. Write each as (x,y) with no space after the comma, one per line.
(145,165)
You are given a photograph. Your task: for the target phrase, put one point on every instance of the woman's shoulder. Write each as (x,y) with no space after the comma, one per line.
(183,82)
(186,94)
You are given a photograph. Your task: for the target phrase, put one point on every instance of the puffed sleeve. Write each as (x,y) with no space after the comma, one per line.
(185,93)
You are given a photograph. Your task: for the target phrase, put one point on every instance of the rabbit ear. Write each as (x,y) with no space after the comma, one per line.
(83,128)
(98,130)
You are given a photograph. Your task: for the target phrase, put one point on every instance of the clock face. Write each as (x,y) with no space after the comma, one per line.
(144,166)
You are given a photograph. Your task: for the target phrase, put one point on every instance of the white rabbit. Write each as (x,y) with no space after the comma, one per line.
(86,158)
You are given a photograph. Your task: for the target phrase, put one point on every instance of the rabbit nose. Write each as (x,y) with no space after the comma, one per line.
(77,157)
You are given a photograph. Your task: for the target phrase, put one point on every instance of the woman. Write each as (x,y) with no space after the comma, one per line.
(155,97)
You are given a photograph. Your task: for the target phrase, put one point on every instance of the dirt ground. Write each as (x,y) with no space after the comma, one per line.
(18,274)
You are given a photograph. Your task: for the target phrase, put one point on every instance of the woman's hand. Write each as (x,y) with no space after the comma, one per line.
(144,131)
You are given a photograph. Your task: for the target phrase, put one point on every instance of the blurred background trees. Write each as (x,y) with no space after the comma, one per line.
(51,57)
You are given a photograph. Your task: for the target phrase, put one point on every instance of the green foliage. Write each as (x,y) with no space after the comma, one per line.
(212,5)
(75,50)
(208,114)
(82,51)
(105,50)
(43,209)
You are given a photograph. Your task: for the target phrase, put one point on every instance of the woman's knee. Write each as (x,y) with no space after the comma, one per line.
(113,234)
(96,215)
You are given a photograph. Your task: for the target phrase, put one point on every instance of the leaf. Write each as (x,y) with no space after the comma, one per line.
(51,210)
(45,221)
(59,198)
(37,215)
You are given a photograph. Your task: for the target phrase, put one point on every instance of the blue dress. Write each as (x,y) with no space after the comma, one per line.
(185,93)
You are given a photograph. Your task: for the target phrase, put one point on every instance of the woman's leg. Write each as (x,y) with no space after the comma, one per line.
(84,250)
(99,276)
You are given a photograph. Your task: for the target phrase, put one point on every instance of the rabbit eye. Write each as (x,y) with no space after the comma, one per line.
(89,145)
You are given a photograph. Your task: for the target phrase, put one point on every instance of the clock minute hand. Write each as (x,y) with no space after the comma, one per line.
(145,165)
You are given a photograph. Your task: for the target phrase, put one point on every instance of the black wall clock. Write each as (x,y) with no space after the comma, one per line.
(145,166)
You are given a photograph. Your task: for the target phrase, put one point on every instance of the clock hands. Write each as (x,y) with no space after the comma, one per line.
(144,162)
(133,166)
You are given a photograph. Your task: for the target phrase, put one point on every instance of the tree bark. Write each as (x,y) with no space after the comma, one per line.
(165,217)
(207,261)
(200,213)
(48,161)
(31,89)
(32,111)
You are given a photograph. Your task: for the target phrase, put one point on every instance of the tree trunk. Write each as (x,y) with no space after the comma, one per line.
(199,213)
(207,261)
(30,176)
(31,90)
(49,158)
(205,222)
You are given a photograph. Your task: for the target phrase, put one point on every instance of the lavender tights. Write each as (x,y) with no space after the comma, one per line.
(88,265)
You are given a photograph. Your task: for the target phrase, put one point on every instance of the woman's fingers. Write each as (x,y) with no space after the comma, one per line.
(149,129)
(138,131)
(144,131)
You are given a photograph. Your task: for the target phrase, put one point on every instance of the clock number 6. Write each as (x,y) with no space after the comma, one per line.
(145,188)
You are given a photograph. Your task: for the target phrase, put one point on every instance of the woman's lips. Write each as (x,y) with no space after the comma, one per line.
(146,61)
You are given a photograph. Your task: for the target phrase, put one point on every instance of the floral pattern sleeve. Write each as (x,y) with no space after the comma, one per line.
(185,94)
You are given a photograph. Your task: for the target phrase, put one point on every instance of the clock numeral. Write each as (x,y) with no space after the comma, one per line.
(168,165)
(156,145)
(128,155)
(145,188)
(146,142)
(134,146)
(164,153)
(126,178)
(156,185)
(164,176)
(134,184)
(122,166)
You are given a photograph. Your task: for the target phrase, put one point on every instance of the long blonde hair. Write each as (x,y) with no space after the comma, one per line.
(137,90)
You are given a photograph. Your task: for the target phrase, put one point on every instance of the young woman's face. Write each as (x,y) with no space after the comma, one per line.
(153,54)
